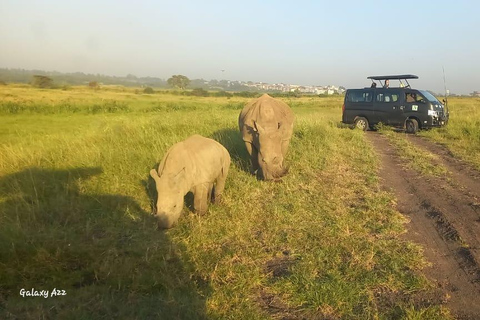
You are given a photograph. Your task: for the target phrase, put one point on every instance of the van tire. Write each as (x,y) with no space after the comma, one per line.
(361,123)
(411,126)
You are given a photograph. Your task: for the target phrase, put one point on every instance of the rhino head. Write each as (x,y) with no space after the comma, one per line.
(270,156)
(170,196)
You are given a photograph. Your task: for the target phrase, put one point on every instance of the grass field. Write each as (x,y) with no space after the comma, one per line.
(75,204)
(462,135)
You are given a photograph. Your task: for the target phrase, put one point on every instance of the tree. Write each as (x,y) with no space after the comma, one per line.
(178,81)
(42,81)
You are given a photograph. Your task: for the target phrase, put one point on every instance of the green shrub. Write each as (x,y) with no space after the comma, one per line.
(148,90)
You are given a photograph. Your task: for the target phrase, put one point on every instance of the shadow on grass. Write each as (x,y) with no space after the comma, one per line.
(102,250)
(232,140)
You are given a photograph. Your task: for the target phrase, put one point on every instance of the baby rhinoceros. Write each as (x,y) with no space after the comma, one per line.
(194,164)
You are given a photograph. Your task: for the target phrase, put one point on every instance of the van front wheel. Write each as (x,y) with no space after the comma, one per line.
(361,123)
(411,126)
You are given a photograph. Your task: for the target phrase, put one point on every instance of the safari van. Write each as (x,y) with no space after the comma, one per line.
(401,107)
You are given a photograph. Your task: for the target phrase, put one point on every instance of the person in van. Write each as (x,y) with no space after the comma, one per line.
(411,97)
(387,83)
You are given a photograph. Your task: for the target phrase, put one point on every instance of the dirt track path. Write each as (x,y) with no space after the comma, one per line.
(445,220)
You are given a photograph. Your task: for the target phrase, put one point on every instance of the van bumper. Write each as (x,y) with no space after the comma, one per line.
(432,122)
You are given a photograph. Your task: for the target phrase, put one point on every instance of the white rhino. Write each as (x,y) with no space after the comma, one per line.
(190,165)
(266,125)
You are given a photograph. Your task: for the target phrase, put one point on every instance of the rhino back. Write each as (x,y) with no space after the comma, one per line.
(268,112)
(207,158)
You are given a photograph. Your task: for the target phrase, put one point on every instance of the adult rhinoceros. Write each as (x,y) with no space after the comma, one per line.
(266,125)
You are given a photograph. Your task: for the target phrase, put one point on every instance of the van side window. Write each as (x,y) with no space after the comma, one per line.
(387,97)
(359,96)
(414,97)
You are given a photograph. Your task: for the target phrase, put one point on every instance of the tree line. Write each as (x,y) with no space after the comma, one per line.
(58,79)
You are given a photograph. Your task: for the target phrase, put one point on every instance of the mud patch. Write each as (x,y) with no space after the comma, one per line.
(388,300)
(443,226)
(280,266)
(278,309)
(469,264)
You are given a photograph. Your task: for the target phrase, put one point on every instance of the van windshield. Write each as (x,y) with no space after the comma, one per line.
(429,96)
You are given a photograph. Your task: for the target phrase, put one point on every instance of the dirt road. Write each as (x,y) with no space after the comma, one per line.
(445,219)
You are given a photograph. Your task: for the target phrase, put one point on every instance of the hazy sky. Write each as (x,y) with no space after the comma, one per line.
(295,42)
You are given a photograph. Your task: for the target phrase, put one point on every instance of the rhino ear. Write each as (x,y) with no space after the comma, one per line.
(154,175)
(279,125)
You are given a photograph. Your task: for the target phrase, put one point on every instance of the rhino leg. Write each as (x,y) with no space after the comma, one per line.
(221,183)
(210,189)
(285,144)
(200,198)
(253,152)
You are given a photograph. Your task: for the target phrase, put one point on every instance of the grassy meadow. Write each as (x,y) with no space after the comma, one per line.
(462,135)
(76,202)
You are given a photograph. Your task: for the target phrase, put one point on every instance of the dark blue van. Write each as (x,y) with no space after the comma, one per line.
(401,107)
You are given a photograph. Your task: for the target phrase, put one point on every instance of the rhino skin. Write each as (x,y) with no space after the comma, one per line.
(194,164)
(266,125)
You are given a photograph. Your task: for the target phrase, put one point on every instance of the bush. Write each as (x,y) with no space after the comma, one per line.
(223,94)
(199,92)
(93,84)
(247,94)
(40,81)
(148,90)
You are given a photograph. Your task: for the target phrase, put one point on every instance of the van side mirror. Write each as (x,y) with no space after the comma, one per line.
(443,101)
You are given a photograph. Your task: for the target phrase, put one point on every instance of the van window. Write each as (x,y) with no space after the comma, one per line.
(387,96)
(415,97)
(359,96)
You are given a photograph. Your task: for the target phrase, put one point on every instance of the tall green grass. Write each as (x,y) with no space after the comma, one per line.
(75,203)
(462,134)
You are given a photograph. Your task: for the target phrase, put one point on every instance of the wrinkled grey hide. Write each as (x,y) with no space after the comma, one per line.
(266,125)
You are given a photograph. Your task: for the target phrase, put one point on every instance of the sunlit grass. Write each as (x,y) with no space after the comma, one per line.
(75,203)
(462,134)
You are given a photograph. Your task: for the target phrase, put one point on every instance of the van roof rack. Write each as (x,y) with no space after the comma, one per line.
(394,77)
(399,77)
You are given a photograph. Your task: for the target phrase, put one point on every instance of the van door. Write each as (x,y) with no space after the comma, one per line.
(416,105)
(389,107)
(358,103)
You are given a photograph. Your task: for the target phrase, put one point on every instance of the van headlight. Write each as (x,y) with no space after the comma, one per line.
(432,113)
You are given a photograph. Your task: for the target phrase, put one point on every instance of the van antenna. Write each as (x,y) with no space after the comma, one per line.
(445,86)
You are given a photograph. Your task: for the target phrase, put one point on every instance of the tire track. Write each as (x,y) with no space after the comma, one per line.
(443,220)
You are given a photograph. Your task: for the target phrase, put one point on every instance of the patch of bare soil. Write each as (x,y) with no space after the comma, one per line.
(445,220)
(278,267)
